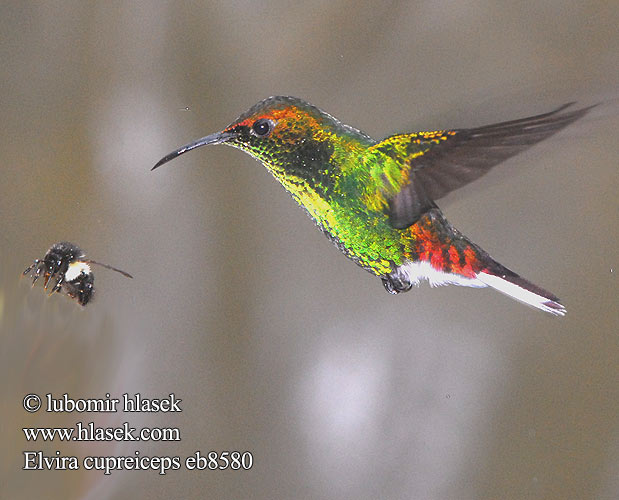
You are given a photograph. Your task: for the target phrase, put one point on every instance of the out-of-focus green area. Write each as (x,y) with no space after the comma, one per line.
(274,341)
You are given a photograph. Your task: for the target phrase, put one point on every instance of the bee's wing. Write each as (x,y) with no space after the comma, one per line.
(107,266)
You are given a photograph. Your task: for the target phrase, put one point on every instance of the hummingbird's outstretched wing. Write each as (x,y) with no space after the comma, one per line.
(438,162)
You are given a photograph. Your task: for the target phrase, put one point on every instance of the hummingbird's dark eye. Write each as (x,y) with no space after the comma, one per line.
(262,127)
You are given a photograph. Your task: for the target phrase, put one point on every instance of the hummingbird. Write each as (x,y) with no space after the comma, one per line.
(376,200)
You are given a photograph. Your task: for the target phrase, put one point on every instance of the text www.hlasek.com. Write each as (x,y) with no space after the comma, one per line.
(89,432)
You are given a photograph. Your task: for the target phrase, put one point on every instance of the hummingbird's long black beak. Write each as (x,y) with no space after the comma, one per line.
(217,138)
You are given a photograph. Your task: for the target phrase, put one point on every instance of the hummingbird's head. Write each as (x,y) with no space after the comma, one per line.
(290,136)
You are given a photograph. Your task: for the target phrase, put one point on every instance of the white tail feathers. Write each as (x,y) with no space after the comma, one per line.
(504,281)
(524,291)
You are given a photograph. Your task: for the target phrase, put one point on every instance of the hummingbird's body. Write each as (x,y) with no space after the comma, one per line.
(375,200)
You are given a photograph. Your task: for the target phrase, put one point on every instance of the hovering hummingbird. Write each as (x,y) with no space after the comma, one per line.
(376,200)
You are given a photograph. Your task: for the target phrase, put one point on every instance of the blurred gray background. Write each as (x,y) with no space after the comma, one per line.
(273,340)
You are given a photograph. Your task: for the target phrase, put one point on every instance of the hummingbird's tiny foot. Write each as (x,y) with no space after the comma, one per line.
(388,285)
(394,283)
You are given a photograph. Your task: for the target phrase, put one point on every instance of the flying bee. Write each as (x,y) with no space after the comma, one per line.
(65,263)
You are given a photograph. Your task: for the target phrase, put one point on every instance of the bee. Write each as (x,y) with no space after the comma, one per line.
(65,263)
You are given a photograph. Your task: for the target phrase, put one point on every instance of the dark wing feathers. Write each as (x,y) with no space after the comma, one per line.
(466,155)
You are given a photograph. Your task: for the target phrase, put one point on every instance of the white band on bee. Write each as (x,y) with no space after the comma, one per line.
(75,269)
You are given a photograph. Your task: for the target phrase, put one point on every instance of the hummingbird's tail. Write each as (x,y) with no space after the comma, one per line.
(508,282)
(441,254)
